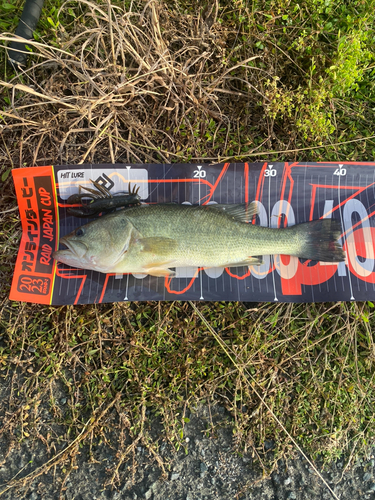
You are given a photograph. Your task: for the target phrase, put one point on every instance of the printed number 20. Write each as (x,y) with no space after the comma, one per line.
(199,174)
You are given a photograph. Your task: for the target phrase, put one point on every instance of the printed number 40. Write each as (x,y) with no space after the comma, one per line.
(340,171)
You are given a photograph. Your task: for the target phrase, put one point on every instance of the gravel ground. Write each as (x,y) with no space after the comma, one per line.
(207,469)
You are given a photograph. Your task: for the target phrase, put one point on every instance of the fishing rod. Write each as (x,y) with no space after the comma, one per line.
(17,52)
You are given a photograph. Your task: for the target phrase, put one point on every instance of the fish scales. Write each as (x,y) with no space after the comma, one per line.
(207,236)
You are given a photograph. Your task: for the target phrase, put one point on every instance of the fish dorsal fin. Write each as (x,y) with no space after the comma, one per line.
(243,212)
(158,245)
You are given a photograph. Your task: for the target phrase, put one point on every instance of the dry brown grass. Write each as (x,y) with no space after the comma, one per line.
(137,86)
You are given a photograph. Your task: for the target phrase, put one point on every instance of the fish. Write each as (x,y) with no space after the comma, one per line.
(155,239)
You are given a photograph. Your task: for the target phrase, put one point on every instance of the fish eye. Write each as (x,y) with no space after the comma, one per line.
(79,232)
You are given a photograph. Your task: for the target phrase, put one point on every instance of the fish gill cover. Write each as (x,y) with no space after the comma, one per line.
(285,193)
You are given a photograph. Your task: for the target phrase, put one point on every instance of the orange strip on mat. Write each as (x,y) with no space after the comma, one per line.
(33,278)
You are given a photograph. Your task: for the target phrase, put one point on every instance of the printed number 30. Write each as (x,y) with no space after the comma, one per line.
(270,173)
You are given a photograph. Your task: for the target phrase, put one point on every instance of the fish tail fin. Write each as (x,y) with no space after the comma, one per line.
(318,240)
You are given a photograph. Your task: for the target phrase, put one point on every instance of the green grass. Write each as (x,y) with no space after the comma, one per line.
(270,80)
(312,365)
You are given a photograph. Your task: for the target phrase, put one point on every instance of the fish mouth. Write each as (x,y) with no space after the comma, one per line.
(75,248)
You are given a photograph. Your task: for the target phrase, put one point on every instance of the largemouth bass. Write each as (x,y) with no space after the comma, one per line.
(152,239)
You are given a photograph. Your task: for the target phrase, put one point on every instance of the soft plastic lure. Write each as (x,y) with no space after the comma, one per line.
(101,200)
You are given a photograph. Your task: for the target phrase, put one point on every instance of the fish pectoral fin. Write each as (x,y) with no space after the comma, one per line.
(158,245)
(251,261)
(159,269)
